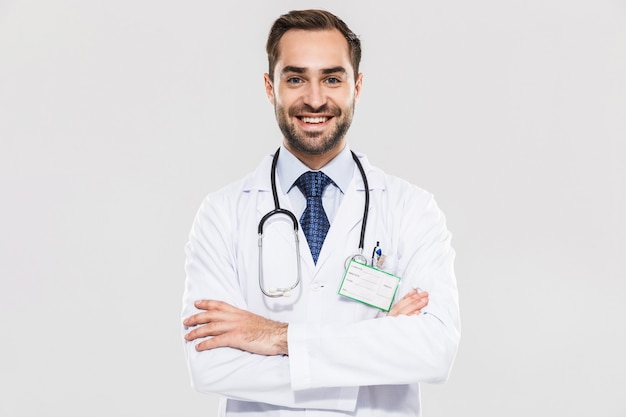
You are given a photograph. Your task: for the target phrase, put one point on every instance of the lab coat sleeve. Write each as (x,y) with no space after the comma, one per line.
(391,350)
(211,274)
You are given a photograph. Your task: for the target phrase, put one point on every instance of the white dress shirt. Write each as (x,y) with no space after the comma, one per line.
(340,169)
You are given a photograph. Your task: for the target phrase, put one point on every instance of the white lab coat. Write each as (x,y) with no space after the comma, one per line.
(345,358)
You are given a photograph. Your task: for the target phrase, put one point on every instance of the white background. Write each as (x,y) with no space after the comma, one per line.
(118,117)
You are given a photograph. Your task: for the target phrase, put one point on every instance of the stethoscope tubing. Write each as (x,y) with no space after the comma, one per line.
(367,201)
(279,292)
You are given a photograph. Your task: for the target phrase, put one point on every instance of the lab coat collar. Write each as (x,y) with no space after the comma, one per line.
(375,177)
(340,169)
(260,179)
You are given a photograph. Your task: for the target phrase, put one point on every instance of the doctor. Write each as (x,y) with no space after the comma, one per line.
(309,350)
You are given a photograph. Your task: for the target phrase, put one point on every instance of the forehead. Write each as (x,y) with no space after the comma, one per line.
(313,49)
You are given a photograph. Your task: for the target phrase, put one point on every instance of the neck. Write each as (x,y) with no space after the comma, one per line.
(316,161)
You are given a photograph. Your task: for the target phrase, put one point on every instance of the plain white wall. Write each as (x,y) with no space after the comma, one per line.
(118,117)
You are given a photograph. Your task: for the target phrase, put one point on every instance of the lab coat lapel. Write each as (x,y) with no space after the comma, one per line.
(348,217)
(350,213)
(261,184)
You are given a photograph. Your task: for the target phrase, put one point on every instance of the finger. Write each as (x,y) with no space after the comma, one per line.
(207,306)
(212,305)
(226,334)
(408,297)
(417,306)
(398,306)
(412,303)
(199,318)
(420,303)
(210,329)
(214,342)
(209,316)
(410,294)
(206,344)
(407,311)
(206,330)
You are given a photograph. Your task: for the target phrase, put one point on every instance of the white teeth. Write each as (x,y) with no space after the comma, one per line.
(314,119)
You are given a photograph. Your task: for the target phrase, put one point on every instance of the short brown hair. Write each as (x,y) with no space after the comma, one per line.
(311,20)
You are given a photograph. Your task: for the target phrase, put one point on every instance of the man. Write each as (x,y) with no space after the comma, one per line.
(313,351)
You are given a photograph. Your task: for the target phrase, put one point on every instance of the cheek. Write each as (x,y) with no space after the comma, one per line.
(286,98)
(347,103)
(344,98)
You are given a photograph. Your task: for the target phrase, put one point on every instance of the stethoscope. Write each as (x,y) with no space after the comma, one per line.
(358,257)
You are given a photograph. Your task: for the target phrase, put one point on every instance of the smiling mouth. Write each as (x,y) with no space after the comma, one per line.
(314,120)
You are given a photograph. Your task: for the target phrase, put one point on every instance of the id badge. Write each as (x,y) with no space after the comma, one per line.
(369,285)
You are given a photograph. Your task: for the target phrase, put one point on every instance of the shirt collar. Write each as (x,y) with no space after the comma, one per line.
(340,169)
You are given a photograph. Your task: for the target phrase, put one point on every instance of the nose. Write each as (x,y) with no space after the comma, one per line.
(314,96)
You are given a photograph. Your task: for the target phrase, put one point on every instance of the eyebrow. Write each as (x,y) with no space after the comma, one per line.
(334,70)
(301,70)
(291,68)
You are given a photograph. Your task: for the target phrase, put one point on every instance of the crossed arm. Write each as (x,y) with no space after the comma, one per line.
(237,328)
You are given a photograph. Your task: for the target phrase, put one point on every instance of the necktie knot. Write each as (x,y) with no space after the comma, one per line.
(313,183)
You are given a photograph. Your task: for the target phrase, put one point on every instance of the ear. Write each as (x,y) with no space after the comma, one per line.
(358,85)
(269,87)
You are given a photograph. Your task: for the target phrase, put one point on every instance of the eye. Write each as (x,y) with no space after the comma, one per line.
(333,80)
(294,80)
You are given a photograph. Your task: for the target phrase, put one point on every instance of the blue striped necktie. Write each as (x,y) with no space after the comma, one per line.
(314,221)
